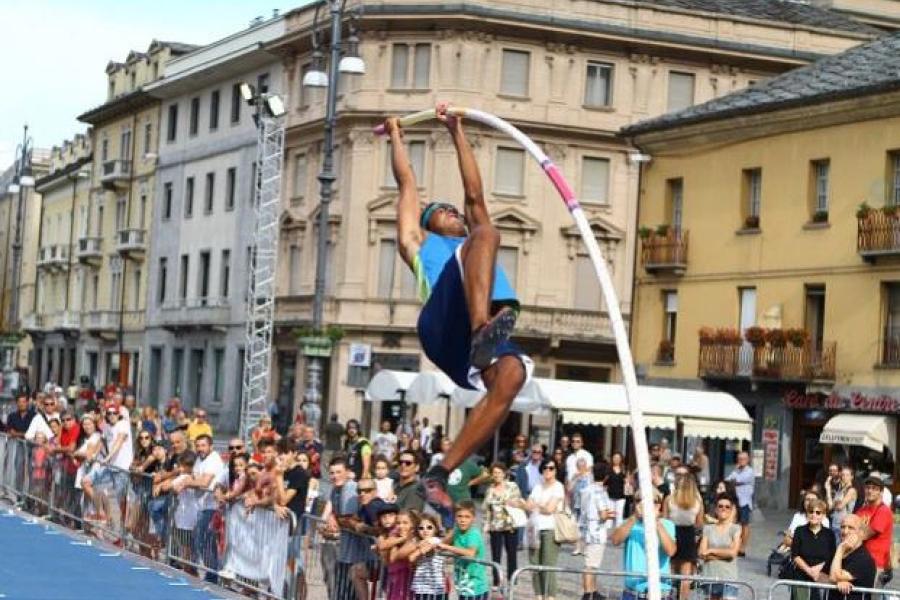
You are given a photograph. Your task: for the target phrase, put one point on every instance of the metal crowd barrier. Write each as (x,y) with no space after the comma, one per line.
(343,566)
(569,582)
(825,591)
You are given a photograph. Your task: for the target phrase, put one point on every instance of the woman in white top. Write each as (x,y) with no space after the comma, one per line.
(89,454)
(684,507)
(842,501)
(546,499)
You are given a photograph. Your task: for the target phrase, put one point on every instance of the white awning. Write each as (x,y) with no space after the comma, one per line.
(523,403)
(711,414)
(429,387)
(389,385)
(869,431)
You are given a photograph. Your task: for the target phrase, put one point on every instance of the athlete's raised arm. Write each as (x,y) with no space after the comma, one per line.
(473,190)
(409,234)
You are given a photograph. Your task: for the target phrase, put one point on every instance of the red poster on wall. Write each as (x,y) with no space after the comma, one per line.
(770,438)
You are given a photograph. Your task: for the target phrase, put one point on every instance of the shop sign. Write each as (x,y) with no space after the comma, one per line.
(770,442)
(844,401)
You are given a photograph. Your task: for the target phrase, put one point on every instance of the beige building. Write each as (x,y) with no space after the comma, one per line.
(111,221)
(570,76)
(54,319)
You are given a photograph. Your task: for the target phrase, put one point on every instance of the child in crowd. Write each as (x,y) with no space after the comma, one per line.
(428,565)
(397,548)
(186,508)
(384,485)
(466,542)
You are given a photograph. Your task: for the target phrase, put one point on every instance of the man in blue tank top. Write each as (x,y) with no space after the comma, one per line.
(469,307)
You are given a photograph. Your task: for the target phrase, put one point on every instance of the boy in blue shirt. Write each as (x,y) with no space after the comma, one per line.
(635,557)
(465,541)
(469,309)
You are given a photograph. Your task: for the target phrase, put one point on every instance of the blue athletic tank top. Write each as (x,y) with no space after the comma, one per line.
(433,256)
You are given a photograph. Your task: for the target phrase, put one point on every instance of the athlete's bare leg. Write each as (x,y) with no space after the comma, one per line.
(479,256)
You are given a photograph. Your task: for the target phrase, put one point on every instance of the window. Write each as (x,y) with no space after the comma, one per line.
(387,253)
(594,180)
(416,153)
(172,123)
(675,193)
(410,66)
(189,198)
(198,357)
(752,196)
(891,344)
(666,351)
(510,171)
(104,149)
(514,72)
(893,198)
(142,216)
(133,80)
(820,171)
(161,284)
(230,187)
(100,220)
(177,370)
(203,281)
(587,288)
(148,138)
(300,169)
(95,291)
(210,191)
(225,277)
(120,213)
(294,270)
(183,283)
(214,110)
(236,100)
(815,315)
(598,84)
(681,91)
(136,288)
(167,200)
(304,93)
(254,180)
(125,145)
(194,123)
(218,373)
(262,83)
(508,259)
(115,290)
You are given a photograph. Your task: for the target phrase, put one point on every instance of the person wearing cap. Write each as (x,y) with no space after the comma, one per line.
(877,524)
(199,425)
(470,308)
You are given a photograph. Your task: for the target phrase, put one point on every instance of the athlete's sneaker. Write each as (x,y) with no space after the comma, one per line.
(434,483)
(489,336)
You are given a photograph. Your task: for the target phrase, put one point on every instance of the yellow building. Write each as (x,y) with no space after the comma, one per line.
(111,222)
(568,78)
(776,208)
(54,317)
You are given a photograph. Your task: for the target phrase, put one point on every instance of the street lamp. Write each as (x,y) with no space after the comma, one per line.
(350,63)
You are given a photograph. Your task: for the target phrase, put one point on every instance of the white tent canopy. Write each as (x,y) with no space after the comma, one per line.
(429,387)
(869,431)
(389,385)
(524,403)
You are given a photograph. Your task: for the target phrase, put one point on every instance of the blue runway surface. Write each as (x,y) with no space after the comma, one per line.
(41,563)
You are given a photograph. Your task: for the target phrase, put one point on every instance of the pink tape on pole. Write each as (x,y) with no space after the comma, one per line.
(562,186)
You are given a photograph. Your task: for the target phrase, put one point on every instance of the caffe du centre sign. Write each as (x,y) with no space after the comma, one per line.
(847,400)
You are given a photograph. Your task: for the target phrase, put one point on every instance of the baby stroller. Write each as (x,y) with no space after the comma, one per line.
(780,558)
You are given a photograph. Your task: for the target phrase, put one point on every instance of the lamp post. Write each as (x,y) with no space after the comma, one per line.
(350,63)
(22,180)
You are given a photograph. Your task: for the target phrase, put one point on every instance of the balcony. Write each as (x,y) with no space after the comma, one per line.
(116,173)
(788,363)
(131,242)
(664,251)
(55,256)
(195,313)
(33,323)
(90,249)
(67,320)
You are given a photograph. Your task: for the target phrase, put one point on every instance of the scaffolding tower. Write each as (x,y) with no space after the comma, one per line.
(261,276)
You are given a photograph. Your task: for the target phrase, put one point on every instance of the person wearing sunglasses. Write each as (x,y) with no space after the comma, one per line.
(408,491)
(428,582)
(470,308)
(547,497)
(719,548)
(812,548)
(631,533)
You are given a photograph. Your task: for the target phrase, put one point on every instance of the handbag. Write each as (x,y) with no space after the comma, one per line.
(565,529)
(517,516)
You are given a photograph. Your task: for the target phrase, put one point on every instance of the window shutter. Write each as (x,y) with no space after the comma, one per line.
(300,176)
(597,85)
(387,255)
(508,259)
(399,65)
(509,171)
(681,91)
(594,179)
(422,66)
(587,288)
(514,77)
(294,273)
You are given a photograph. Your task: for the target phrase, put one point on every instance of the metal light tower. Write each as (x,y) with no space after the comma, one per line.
(261,278)
(350,63)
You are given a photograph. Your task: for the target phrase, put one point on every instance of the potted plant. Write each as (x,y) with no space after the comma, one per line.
(665,353)
(776,338)
(644,232)
(751,222)
(728,336)
(756,336)
(797,336)
(863,210)
(662,230)
(889,210)
(707,336)
(820,216)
